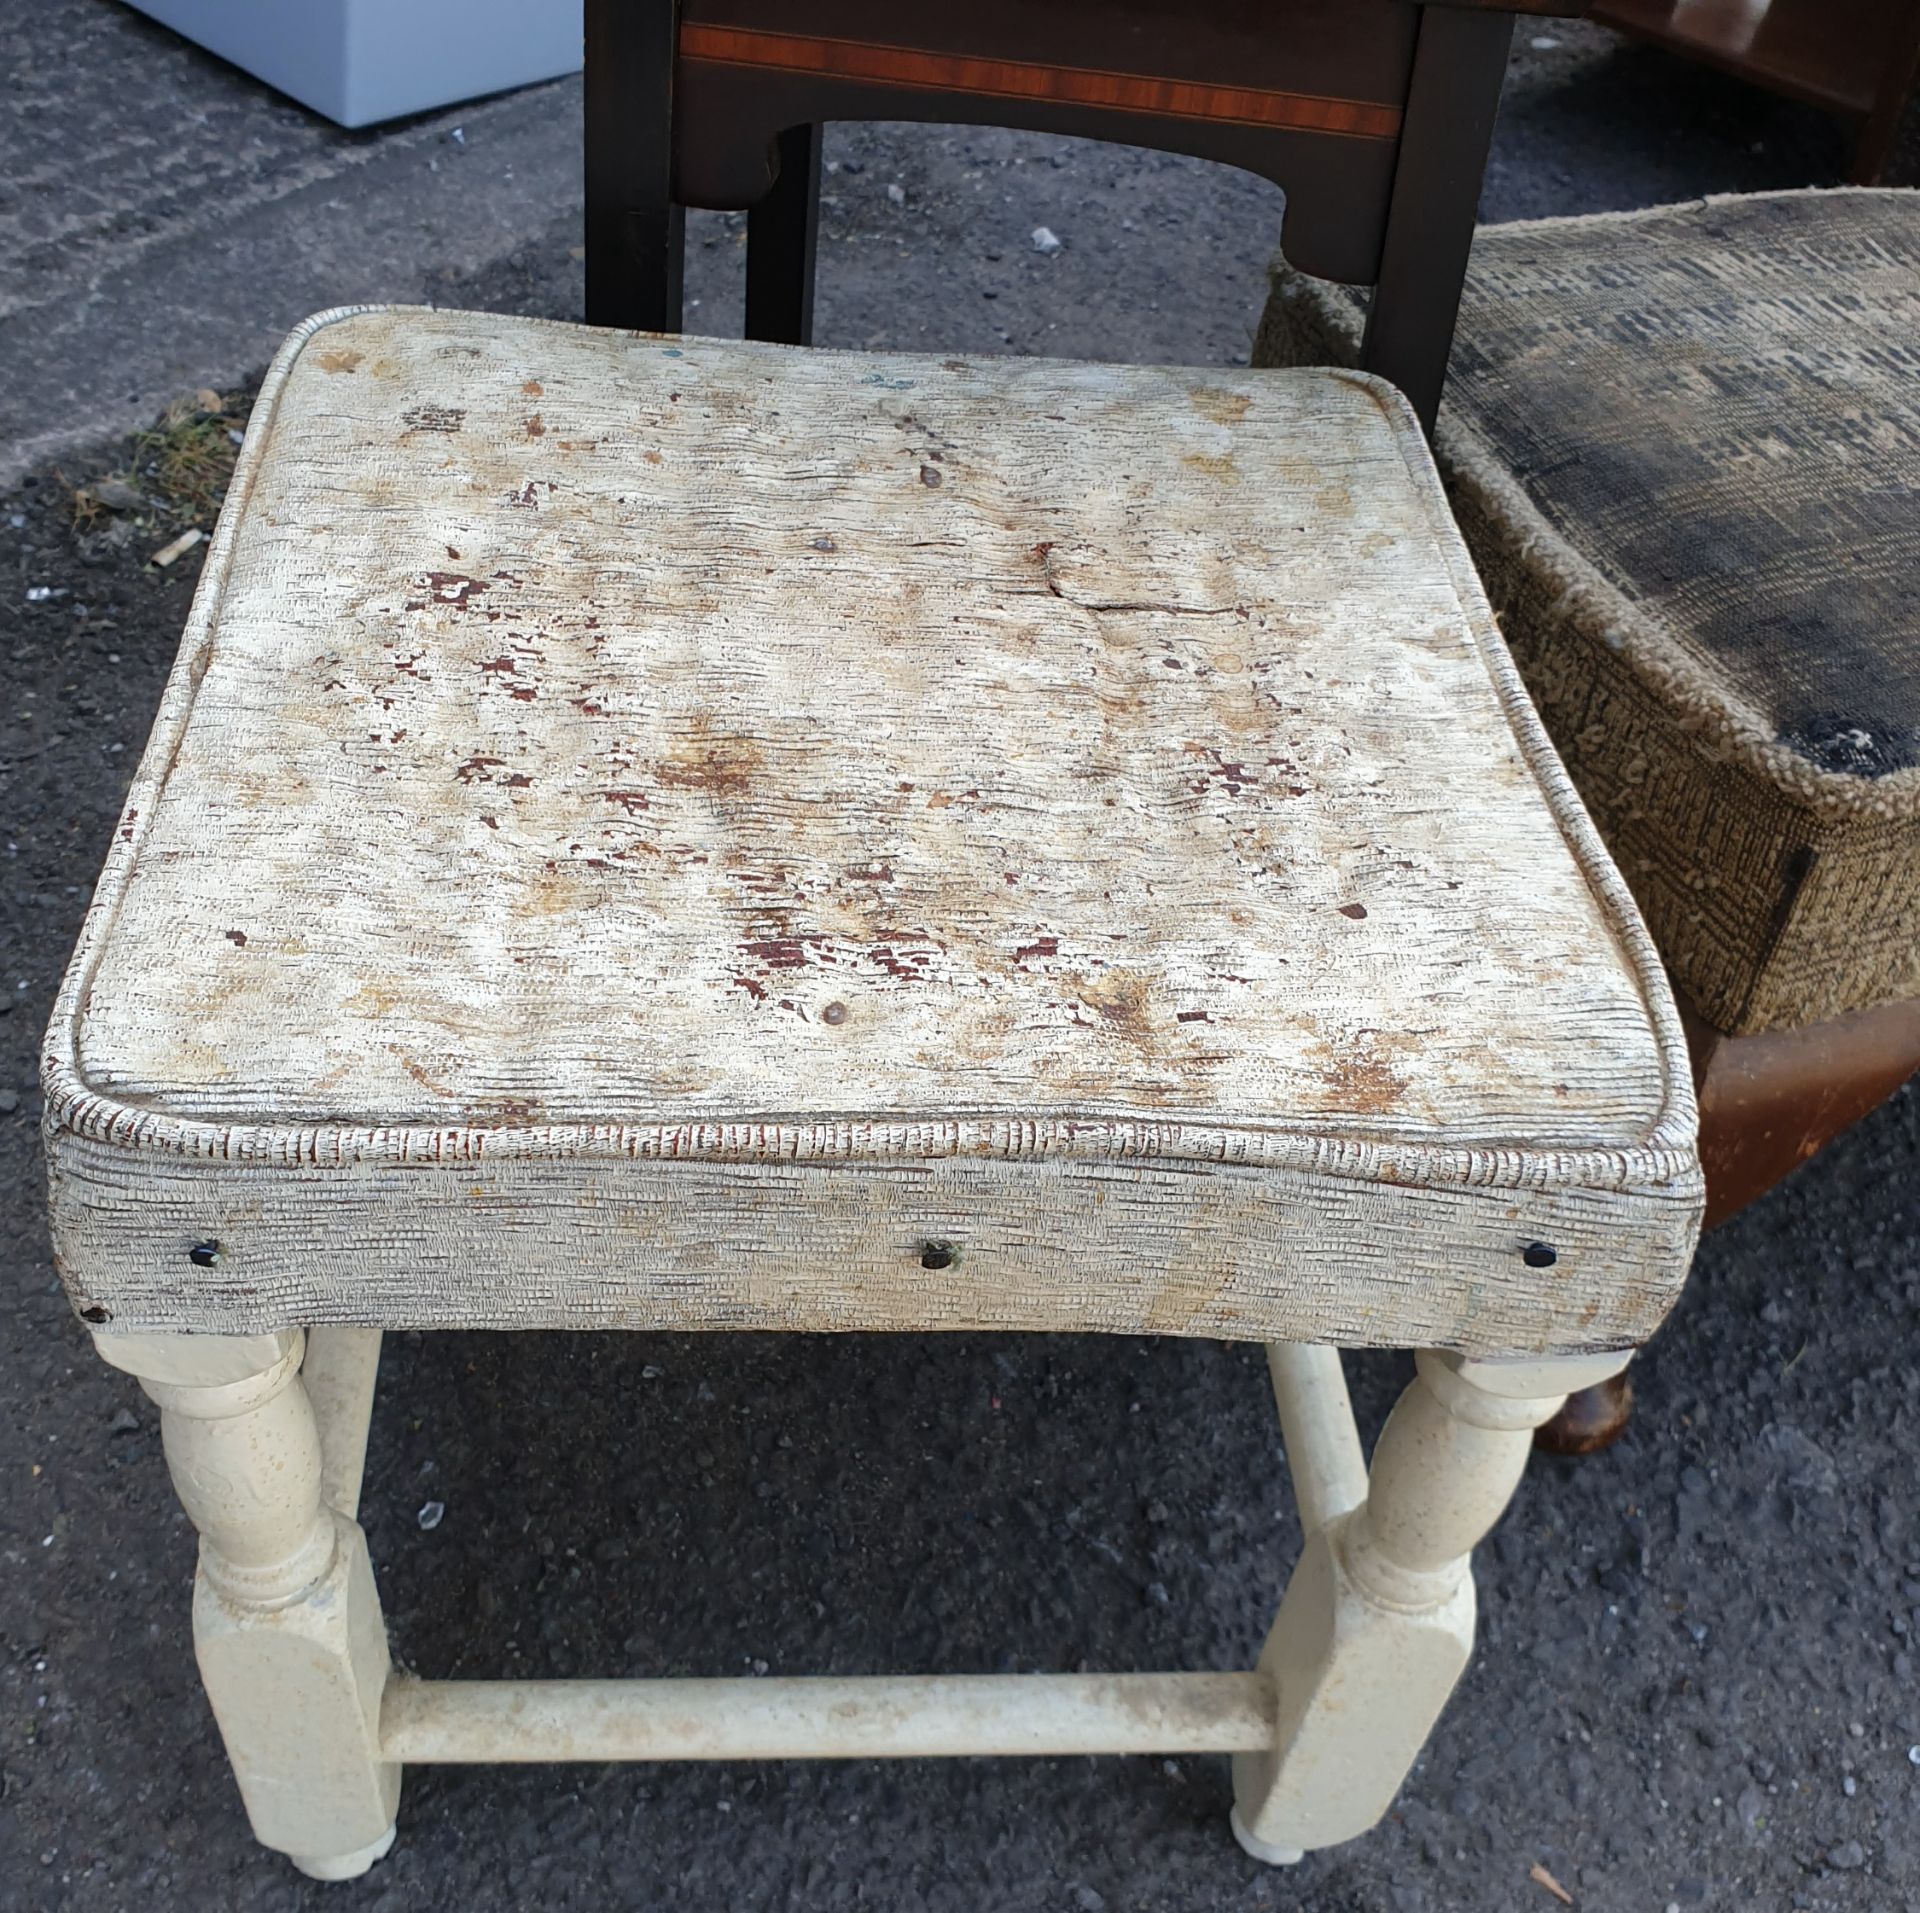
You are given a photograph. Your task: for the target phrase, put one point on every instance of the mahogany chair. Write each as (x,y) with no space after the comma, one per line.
(1373,115)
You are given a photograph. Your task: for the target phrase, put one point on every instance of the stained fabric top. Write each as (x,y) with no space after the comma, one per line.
(583,728)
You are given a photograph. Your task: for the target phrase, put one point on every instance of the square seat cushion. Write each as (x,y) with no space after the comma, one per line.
(1684,448)
(652,831)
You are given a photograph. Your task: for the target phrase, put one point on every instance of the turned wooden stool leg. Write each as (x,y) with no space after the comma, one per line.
(1377,1623)
(286,1623)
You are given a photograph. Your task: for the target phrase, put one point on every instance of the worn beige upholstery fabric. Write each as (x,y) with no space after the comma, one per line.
(673,832)
(1684,447)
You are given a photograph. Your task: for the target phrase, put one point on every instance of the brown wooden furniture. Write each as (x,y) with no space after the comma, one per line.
(1374,115)
(1768,1103)
(1683,444)
(1857,58)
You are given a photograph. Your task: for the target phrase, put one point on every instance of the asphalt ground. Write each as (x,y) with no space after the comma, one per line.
(1695,1682)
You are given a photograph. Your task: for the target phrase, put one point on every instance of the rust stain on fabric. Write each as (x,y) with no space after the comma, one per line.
(709,760)
(1223,407)
(1216,465)
(1360,1078)
(1121,999)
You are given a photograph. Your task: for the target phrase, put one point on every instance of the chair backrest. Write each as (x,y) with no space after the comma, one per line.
(1373,115)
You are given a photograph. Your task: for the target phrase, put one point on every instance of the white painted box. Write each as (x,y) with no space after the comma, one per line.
(359,61)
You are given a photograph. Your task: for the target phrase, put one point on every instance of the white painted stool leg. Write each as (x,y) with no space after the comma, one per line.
(286,1623)
(1377,1622)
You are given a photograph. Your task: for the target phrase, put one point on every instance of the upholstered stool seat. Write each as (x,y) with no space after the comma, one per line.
(1684,448)
(662,833)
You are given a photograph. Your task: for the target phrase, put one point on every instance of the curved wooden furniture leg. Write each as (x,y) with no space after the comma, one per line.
(1768,1103)
(1593,1418)
(286,1623)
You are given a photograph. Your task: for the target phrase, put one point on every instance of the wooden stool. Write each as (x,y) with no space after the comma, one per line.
(665,834)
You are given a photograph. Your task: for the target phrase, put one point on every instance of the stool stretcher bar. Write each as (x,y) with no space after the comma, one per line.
(825,1718)
(1375,1628)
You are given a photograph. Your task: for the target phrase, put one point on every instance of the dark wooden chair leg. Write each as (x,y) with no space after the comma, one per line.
(1592,1419)
(636,235)
(1767,1104)
(1459,62)
(781,232)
